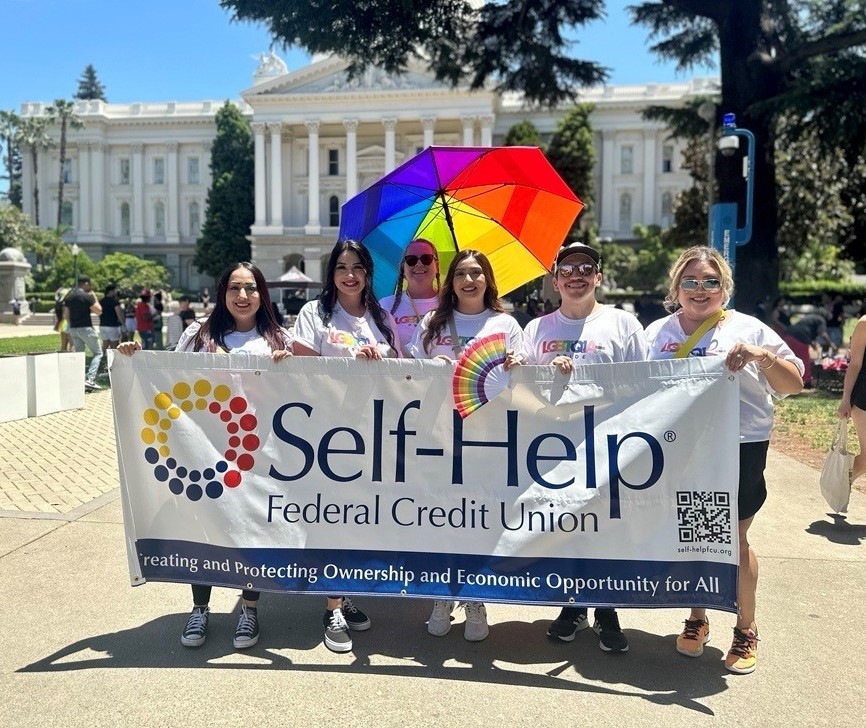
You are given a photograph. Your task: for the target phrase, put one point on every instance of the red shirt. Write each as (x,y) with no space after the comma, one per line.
(143,316)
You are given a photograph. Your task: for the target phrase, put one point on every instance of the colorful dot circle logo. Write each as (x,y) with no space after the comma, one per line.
(203,396)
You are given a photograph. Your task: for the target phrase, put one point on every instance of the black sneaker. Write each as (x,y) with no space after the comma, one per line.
(355,618)
(247,631)
(611,637)
(337,637)
(196,628)
(570,621)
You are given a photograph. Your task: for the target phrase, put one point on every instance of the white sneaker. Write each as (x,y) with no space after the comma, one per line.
(475,629)
(439,623)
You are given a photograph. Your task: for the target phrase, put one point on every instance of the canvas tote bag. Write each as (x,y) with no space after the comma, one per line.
(835,474)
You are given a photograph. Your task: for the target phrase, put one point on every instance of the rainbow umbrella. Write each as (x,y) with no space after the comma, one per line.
(507,202)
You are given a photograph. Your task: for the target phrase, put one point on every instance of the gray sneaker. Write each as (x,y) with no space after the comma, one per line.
(196,628)
(247,631)
(337,637)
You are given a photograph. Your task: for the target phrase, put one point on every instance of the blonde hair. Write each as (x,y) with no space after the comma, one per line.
(703,254)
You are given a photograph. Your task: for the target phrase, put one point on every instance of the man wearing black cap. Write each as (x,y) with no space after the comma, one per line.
(77,307)
(583,331)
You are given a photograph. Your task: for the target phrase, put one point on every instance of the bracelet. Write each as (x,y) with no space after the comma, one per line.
(775,357)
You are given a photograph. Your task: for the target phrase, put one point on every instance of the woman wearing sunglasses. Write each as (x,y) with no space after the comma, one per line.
(414,294)
(700,287)
(241,321)
(346,321)
(468,308)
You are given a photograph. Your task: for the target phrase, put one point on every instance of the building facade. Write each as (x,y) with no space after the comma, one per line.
(137,175)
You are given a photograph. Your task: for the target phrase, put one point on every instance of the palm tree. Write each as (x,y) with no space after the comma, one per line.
(63,112)
(9,122)
(33,134)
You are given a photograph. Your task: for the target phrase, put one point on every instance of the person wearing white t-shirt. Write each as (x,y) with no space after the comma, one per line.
(583,331)
(346,321)
(701,285)
(241,320)
(418,270)
(469,308)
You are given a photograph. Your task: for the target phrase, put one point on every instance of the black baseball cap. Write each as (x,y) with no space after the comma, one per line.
(582,248)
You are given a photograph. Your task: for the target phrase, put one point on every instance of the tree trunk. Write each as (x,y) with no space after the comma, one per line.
(34,156)
(745,81)
(62,164)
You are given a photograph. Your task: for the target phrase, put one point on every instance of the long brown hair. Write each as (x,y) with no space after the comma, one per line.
(448,298)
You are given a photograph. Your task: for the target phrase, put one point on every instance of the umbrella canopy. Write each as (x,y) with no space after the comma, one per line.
(295,275)
(507,202)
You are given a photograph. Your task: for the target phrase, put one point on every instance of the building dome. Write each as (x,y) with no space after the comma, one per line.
(12,255)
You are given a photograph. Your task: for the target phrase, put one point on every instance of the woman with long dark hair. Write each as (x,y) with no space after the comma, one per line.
(414,294)
(242,320)
(468,308)
(346,321)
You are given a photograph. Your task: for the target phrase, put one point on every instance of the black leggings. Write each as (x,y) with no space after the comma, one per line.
(201,594)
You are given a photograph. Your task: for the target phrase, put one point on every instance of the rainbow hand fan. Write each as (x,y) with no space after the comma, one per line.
(480,374)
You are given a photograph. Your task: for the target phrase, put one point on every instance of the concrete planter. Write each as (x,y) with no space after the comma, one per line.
(13,373)
(55,382)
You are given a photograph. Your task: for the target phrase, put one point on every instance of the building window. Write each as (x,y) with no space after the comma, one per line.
(625,213)
(333,162)
(194,219)
(334,211)
(67,171)
(66,214)
(159,171)
(667,158)
(192,173)
(124,216)
(418,150)
(626,160)
(159,219)
(124,171)
(667,218)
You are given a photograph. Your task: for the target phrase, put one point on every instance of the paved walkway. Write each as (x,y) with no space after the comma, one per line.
(82,648)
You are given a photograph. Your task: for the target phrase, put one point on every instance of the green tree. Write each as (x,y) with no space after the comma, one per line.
(572,153)
(16,230)
(33,135)
(230,203)
(523,134)
(89,86)
(61,273)
(514,45)
(130,272)
(644,268)
(9,122)
(63,113)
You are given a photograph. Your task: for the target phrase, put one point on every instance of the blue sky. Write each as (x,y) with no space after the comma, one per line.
(187,50)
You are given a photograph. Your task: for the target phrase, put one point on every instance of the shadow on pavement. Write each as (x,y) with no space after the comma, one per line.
(839,531)
(651,670)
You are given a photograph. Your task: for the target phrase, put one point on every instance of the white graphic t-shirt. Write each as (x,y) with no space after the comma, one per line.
(408,315)
(666,336)
(469,327)
(607,335)
(250,342)
(344,334)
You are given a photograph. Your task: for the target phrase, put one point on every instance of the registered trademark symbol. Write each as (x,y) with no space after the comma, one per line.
(670,436)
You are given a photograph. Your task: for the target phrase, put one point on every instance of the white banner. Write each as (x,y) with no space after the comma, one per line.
(617,486)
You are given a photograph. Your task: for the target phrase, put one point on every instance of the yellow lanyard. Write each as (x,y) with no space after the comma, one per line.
(689,343)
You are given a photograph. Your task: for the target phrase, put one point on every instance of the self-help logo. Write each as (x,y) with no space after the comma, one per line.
(184,400)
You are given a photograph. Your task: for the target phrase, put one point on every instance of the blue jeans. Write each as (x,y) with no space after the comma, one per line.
(86,338)
(146,339)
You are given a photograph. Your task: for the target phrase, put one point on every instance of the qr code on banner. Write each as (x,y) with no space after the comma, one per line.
(704,516)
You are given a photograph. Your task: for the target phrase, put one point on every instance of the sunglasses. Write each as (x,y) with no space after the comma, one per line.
(412,260)
(710,285)
(567,270)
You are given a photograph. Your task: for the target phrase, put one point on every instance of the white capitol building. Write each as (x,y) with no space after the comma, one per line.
(137,175)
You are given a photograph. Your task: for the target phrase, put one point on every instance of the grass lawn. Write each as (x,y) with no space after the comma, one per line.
(30,344)
(804,425)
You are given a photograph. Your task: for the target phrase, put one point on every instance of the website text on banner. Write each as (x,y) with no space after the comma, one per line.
(614,487)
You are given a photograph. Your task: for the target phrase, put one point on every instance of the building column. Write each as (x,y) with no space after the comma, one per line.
(427,124)
(276,130)
(608,220)
(468,130)
(649,177)
(97,164)
(486,129)
(351,126)
(313,263)
(313,226)
(84,192)
(137,194)
(172,204)
(390,147)
(261,211)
